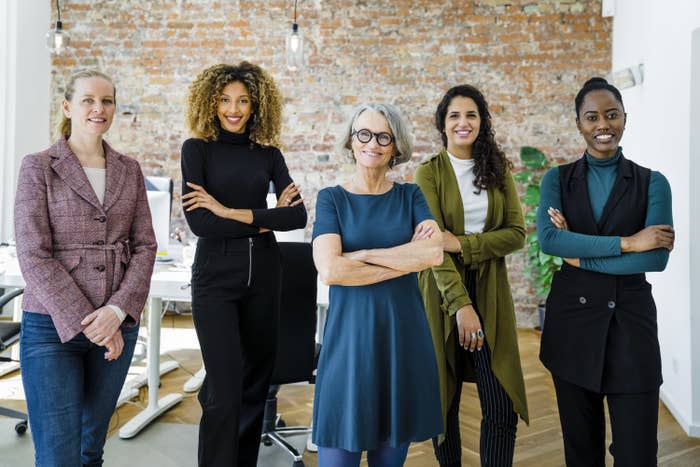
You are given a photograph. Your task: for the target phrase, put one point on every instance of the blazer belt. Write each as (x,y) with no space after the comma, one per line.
(121,249)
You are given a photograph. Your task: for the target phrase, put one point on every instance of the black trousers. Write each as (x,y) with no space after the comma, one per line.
(235,305)
(499,421)
(633,420)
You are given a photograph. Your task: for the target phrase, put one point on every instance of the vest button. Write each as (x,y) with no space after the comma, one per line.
(611,304)
(582,300)
(101,268)
(100,242)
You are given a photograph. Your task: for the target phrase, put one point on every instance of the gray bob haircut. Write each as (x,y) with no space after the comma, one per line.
(398,124)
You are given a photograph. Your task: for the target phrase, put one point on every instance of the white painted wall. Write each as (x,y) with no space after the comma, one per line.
(659,35)
(25,75)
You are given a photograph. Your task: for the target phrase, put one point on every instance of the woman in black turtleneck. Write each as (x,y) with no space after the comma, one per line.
(234,113)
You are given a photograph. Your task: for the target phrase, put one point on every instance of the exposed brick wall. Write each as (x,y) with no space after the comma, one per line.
(529,58)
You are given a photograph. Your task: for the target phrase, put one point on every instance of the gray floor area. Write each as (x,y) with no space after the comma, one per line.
(161,445)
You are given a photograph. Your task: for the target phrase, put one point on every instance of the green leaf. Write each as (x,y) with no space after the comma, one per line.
(523,176)
(532,195)
(533,158)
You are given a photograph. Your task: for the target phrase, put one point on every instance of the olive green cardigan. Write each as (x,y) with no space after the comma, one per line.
(443,287)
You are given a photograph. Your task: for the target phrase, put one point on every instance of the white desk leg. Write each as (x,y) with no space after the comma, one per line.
(195,382)
(9,367)
(156,407)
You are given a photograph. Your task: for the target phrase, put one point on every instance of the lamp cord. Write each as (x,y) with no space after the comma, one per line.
(295,10)
(58,9)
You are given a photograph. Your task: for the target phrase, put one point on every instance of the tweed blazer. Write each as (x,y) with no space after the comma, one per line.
(75,253)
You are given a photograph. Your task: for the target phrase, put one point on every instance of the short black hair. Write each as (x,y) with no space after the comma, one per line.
(595,84)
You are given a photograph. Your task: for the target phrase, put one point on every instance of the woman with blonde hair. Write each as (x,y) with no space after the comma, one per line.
(86,248)
(234,113)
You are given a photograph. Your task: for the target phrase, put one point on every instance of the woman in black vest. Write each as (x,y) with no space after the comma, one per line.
(610,219)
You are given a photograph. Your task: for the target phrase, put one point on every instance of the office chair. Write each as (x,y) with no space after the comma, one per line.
(296,344)
(9,334)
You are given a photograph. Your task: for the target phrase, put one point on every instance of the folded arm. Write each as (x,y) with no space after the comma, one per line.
(564,243)
(335,269)
(422,252)
(509,237)
(645,251)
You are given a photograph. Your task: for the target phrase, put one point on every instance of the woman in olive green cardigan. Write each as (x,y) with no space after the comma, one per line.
(471,193)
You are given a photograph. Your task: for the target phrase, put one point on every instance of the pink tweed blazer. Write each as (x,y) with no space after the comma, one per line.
(76,254)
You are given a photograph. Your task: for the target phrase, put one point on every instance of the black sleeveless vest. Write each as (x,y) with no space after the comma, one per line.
(600,330)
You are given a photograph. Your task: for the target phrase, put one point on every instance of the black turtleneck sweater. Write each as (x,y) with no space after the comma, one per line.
(237,173)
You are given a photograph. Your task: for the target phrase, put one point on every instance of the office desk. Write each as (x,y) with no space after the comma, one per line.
(171,283)
(167,282)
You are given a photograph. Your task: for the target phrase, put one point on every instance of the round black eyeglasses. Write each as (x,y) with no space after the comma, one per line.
(365,136)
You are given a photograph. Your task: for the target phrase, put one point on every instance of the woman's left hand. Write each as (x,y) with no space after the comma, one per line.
(287,196)
(557,219)
(101,324)
(450,242)
(115,346)
(559,222)
(422,232)
(199,198)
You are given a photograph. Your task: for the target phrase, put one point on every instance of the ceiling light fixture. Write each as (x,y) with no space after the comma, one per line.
(295,45)
(57,39)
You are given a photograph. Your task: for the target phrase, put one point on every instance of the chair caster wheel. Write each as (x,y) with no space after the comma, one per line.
(281,423)
(298,464)
(21,427)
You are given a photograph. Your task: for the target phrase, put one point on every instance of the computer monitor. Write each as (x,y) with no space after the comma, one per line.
(159,202)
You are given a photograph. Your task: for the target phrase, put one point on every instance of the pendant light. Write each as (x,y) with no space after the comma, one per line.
(57,39)
(295,45)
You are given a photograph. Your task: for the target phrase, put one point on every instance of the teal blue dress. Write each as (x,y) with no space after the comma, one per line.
(377,375)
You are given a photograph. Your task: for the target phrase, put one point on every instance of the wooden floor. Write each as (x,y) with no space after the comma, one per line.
(538,445)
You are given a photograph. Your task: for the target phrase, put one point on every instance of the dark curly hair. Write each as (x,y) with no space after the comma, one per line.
(490,162)
(265,122)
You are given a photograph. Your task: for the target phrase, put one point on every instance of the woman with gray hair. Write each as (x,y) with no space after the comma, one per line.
(377,384)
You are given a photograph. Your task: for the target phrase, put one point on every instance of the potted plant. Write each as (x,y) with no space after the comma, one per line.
(540,266)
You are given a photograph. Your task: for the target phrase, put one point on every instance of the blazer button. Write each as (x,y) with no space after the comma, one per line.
(582,300)
(101,268)
(101,218)
(100,242)
(611,304)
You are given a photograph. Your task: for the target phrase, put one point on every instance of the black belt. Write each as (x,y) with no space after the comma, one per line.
(232,245)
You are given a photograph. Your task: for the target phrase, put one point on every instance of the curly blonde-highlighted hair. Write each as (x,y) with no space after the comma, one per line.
(265,123)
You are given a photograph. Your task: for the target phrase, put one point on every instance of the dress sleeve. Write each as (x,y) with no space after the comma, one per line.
(280,219)
(659,211)
(421,211)
(563,243)
(327,220)
(203,222)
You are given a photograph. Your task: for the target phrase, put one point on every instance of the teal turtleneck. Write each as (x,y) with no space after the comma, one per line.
(602,253)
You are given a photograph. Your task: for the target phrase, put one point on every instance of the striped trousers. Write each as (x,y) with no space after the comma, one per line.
(499,421)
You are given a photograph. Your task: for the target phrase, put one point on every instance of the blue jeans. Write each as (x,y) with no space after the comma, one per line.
(71,392)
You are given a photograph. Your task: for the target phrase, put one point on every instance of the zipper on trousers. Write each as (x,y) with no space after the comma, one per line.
(250,259)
